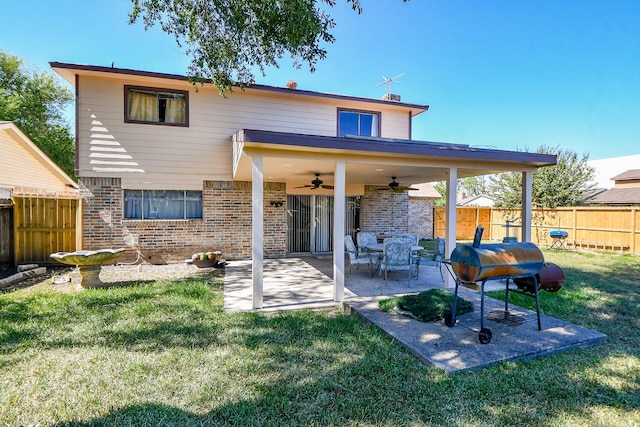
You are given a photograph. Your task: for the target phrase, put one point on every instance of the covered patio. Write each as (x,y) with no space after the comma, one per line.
(307,283)
(351,163)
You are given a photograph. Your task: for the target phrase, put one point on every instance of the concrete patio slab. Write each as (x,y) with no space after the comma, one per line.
(288,284)
(457,348)
(298,283)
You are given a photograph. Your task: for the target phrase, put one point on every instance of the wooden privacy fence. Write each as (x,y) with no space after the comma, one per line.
(42,226)
(611,228)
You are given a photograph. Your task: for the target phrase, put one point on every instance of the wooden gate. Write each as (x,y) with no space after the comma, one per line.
(43,226)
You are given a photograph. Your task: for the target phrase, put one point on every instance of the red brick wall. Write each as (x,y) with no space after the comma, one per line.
(384,211)
(226,223)
(421,217)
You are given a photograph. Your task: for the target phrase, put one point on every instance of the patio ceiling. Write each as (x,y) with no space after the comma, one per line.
(295,158)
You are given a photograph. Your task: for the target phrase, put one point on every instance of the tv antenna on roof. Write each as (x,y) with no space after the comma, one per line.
(387,82)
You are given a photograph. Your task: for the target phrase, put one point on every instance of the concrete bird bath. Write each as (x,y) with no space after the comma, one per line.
(89,263)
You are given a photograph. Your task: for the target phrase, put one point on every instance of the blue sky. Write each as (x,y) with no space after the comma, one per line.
(507,74)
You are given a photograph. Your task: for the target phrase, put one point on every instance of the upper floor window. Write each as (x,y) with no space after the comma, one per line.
(162,204)
(149,105)
(362,123)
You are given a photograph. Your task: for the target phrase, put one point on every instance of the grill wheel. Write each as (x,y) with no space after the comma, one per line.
(485,336)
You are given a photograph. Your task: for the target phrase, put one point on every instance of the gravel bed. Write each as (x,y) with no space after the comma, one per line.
(68,278)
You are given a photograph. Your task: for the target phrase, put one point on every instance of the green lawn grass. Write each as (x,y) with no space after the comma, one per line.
(165,353)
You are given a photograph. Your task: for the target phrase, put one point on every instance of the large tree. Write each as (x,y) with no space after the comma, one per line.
(227,39)
(467,187)
(569,183)
(441,188)
(35,102)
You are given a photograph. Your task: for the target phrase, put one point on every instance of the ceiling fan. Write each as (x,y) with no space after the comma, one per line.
(396,187)
(317,183)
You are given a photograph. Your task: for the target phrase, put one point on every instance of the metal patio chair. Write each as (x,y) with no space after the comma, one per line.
(366,238)
(435,259)
(358,258)
(397,257)
(414,238)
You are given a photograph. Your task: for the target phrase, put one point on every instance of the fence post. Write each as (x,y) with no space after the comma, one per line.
(17,247)
(633,231)
(79,224)
(575,225)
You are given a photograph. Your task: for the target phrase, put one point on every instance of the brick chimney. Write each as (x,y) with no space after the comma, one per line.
(391,97)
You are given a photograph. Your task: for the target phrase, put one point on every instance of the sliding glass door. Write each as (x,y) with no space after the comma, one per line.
(310,223)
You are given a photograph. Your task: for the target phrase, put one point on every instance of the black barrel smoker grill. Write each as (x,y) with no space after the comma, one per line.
(521,262)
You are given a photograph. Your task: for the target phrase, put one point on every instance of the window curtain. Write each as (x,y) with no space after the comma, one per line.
(133,204)
(368,125)
(143,107)
(175,112)
(160,204)
(374,125)
(194,204)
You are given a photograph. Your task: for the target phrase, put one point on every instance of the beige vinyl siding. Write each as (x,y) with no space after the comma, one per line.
(21,167)
(395,125)
(173,157)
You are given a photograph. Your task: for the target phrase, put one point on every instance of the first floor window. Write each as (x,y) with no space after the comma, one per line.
(162,204)
(146,105)
(358,123)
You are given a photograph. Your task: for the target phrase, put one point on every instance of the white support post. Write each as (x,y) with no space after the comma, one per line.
(450,232)
(257,227)
(339,211)
(527,206)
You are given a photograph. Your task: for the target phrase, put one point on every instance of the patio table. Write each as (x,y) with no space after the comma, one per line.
(379,248)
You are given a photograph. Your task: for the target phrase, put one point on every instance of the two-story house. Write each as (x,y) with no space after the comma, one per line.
(265,172)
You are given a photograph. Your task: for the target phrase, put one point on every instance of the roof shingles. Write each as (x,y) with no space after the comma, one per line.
(618,196)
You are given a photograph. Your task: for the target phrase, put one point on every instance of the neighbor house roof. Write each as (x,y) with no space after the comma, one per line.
(618,196)
(425,191)
(631,174)
(605,169)
(26,170)
(476,201)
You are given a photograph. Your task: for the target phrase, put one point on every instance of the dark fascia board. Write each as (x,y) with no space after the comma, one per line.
(396,146)
(420,108)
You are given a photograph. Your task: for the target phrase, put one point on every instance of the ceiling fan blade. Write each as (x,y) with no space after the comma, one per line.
(305,186)
(328,187)
(405,188)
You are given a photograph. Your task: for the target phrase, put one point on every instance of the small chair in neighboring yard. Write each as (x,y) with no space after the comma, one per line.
(397,257)
(356,257)
(435,259)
